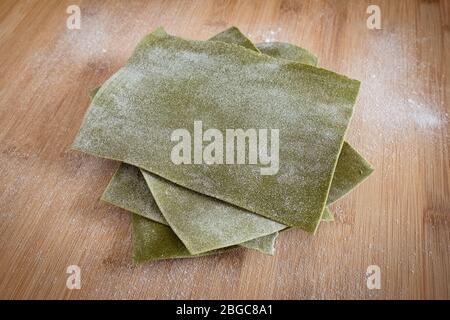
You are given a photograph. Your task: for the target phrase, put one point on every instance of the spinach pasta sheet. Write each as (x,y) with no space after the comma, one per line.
(170,83)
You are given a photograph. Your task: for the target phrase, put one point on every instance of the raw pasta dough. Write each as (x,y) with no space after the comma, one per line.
(134,113)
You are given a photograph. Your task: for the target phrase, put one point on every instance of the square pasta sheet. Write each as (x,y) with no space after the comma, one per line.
(134,113)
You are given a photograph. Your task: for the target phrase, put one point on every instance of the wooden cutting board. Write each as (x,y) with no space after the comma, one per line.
(399,219)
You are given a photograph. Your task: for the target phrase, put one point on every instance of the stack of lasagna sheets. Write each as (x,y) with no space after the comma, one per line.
(222,143)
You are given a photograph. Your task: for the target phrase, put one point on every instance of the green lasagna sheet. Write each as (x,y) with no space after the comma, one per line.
(134,113)
(202,223)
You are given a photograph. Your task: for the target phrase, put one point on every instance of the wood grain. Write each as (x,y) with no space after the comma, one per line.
(50,213)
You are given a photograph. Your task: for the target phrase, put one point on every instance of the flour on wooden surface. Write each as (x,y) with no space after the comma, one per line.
(396,92)
(270,35)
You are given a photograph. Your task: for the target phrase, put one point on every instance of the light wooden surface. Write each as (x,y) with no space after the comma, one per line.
(399,219)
